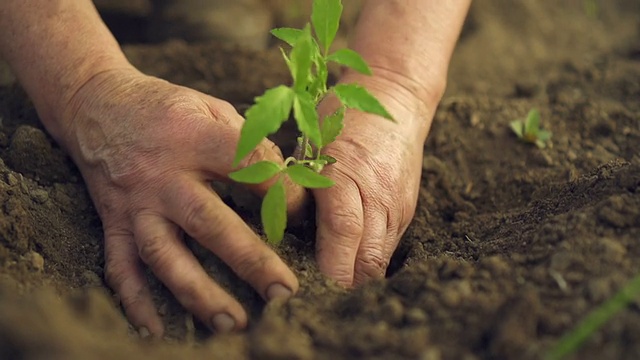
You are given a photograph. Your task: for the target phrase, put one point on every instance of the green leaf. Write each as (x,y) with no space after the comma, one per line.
(308,178)
(301,60)
(325,17)
(518,128)
(352,59)
(329,159)
(288,35)
(332,126)
(532,125)
(544,135)
(356,97)
(318,86)
(304,111)
(274,213)
(256,173)
(264,118)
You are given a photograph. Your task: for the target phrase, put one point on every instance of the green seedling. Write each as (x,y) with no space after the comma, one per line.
(528,129)
(572,341)
(307,60)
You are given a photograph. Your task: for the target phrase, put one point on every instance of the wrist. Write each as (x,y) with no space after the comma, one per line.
(80,117)
(411,104)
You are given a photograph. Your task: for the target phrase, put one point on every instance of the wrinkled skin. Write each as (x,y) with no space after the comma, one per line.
(362,218)
(148,150)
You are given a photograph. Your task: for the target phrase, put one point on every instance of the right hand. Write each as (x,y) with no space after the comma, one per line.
(148,151)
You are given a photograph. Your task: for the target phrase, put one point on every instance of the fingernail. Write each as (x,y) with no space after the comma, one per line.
(223,323)
(144,332)
(277,290)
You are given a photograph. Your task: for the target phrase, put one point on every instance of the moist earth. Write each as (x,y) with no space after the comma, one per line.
(511,245)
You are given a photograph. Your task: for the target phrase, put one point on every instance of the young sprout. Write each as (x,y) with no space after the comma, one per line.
(307,61)
(528,130)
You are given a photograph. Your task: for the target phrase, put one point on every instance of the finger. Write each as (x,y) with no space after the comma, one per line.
(226,131)
(203,215)
(297,196)
(125,275)
(340,229)
(374,251)
(172,262)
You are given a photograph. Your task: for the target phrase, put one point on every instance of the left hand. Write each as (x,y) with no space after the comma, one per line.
(363,216)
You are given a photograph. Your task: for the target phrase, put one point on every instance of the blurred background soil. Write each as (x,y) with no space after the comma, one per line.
(510,247)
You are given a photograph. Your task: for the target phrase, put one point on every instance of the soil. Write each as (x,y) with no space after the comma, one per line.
(510,247)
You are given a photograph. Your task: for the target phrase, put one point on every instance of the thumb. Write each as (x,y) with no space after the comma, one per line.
(297,196)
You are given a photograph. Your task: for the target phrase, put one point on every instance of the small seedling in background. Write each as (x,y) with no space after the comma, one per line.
(307,61)
(528,129)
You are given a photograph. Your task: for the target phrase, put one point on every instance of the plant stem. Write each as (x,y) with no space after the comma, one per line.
(303,151)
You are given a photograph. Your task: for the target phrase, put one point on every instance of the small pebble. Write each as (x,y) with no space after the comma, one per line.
(432,353)
(163,309)
(144,332)
(392,310)
(599,289)
(36,261)
(11,179)
(561,260)
(39,196)
(497,265)
(416,316)
(91,279)
(611,249)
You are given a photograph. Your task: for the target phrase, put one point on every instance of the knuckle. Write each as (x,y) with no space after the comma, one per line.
(198,215)
(130,300)
(114,274)
(372,263)
(203,221)
(346,222)
(190,295)
(252,266)
(258,154)
(154,251)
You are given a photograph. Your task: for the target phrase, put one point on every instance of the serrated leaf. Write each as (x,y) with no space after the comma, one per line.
(518,127)
(301,60)
(308,178)
(288,35)
(256,173)
(356,97)
(352,59)
(332,126)
(264,118)
(304,111)
(325,17)
(532,124)
(274,213)
(329,159)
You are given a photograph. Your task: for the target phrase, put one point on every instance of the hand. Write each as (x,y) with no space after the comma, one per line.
(363,216)
(148,151)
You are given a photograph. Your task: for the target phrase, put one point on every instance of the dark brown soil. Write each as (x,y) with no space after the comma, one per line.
(510,247)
